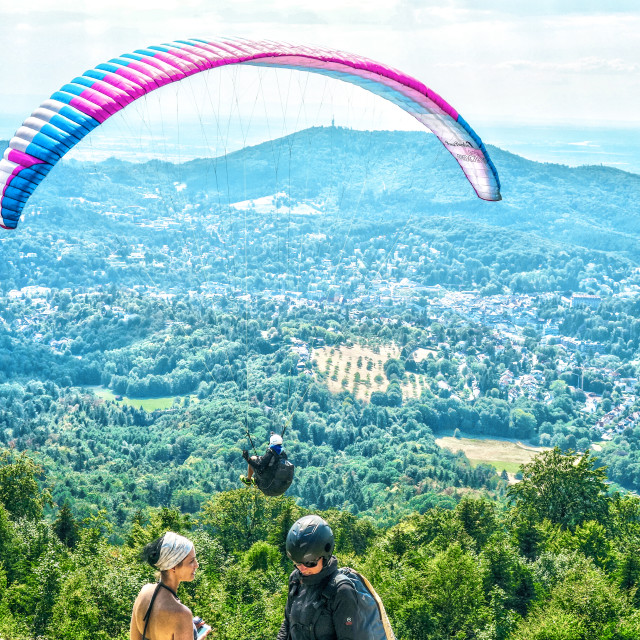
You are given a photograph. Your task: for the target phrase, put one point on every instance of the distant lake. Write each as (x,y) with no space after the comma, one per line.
(572,145)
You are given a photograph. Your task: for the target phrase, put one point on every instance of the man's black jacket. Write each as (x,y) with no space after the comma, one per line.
(309,615)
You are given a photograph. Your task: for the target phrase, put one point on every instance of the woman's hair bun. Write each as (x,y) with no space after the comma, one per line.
(151,551)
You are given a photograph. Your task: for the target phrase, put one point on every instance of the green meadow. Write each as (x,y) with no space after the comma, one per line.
(502,454)
(148,404)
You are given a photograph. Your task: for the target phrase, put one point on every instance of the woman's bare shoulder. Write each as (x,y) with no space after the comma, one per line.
(164,599)
(174,619)
(145,593)
(169,617)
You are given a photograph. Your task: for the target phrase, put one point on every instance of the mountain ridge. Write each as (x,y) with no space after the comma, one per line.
(391,173)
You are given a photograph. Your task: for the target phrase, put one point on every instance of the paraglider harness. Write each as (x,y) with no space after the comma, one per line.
(373,622)
(277,476)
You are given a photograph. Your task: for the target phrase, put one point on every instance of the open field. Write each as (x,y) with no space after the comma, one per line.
(502,454)
(360,369)
(421,354)
(148,404)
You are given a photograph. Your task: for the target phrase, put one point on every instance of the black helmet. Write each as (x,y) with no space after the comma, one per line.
(309,539)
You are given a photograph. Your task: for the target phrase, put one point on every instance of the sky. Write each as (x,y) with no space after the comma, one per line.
(498,62)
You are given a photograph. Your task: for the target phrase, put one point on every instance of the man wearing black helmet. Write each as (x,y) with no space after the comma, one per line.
(309,613)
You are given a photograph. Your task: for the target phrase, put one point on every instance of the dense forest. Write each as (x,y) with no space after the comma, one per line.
(558,560)
(233,375)
(156,319)
(114,456)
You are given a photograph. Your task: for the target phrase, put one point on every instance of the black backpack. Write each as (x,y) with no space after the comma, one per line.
(373,623)
(277,477)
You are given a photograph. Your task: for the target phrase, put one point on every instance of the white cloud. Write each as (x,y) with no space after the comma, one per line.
(584,65)
(585,143)
(492,58)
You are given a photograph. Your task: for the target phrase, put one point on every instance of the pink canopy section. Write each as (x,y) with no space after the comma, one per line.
(88,100)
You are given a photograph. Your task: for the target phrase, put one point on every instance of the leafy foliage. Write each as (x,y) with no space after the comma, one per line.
(455,573)
(564,489)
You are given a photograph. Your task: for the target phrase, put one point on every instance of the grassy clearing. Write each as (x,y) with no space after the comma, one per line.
(421,354)
(510,467)
(360,369)
(148,404)
(502,454)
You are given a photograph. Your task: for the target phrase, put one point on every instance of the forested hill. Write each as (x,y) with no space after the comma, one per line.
(349,287)
(392,174)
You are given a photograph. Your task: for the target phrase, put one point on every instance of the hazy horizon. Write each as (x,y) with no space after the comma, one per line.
(571,145)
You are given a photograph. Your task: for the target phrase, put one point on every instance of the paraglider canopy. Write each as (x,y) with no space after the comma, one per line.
(88,100)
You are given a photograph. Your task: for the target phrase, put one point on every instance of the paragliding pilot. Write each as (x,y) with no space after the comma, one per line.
(260,463)
(272,473)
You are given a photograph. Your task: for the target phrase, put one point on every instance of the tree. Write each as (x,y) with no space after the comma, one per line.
(394,367)
(523,423)
(66,527)
(19,490)
(627,574)
(584,605)
(454,585)
(240,518)
(507,570)
(7,543)
(566,489)
(478,518)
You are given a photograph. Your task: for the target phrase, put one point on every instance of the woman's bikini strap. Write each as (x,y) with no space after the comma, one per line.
(153,599)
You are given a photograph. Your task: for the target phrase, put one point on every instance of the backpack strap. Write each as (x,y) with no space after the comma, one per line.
(330,590)
(294,585)
(328,595)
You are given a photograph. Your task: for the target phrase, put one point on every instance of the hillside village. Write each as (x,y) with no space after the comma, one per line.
(509,320)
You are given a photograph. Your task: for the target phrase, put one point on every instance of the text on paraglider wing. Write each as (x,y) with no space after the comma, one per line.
(468,158)
(457,143)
